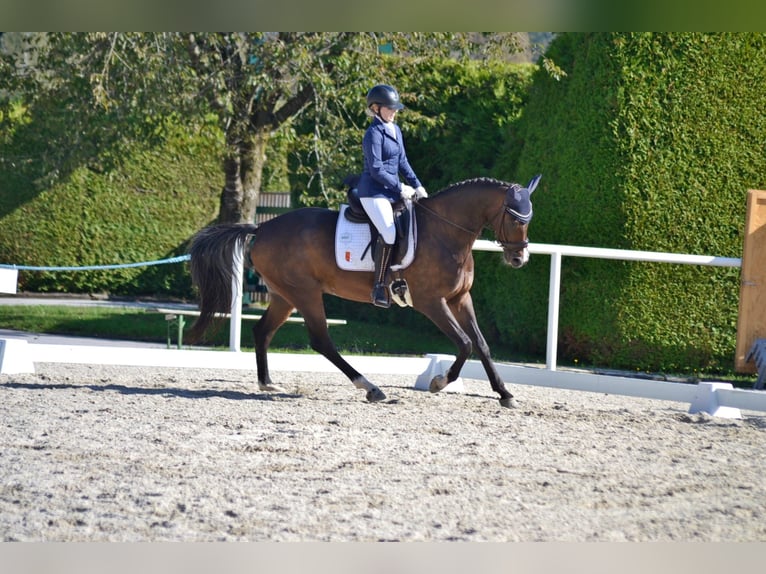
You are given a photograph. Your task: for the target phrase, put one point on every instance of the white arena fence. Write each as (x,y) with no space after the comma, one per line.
(557,251)
(715,398)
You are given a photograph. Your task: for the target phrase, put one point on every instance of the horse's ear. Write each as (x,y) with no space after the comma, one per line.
(533,183)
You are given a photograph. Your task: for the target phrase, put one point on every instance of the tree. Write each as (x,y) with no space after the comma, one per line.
(110,88)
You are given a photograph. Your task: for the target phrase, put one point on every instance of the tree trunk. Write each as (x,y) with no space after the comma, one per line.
(243,171)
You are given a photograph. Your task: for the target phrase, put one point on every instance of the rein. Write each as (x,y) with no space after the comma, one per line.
(445,220)
(512,245)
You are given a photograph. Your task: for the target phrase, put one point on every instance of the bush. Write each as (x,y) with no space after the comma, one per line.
(144,209)
(650,142)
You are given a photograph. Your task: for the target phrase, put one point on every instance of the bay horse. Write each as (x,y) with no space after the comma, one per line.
(294,254)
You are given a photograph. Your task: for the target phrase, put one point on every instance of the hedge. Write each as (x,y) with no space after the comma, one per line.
(143,209)
(649,142)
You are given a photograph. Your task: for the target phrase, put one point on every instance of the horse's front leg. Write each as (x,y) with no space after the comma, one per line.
(463,310)
(441,315)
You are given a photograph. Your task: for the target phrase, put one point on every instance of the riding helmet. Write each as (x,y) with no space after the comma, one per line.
(384,95)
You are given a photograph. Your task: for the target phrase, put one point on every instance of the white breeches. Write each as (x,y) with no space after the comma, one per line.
(382,216)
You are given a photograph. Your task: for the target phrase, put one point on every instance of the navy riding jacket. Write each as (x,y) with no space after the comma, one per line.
(384,160)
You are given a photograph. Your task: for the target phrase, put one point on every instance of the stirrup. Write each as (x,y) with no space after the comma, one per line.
(400,293)
(380,296)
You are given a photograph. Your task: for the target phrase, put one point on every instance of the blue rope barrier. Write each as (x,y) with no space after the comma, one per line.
(97,267)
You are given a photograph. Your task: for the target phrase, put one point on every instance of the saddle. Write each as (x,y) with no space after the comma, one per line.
(355,213)
(355,236)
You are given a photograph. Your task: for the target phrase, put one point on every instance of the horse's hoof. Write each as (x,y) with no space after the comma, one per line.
(272,388)
(509,403)
(375,395)
(437,383)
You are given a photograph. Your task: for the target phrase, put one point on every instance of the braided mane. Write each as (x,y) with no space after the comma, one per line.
(489,181)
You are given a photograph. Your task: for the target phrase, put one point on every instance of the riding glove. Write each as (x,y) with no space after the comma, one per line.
(407,191)
(420,193)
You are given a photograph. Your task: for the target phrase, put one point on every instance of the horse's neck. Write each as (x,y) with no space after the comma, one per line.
(469,209)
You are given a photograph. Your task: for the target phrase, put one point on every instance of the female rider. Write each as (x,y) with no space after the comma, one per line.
(379,185)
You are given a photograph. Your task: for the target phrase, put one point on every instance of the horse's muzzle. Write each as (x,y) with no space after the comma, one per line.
(516,259)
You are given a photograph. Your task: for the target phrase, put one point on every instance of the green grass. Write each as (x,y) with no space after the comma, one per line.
(84,322)
(356,337)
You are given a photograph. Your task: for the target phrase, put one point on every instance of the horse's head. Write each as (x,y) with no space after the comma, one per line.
(512,232)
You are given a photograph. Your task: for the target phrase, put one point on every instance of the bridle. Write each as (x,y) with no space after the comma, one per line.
(519,218)
(511,245)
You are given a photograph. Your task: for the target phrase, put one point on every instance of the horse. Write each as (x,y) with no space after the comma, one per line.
(294,254)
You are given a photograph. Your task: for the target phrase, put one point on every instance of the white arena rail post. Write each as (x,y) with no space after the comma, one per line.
(235,320)
(554,292)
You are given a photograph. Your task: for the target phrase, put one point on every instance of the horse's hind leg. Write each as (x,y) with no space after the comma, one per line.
(312,309)
(273,318)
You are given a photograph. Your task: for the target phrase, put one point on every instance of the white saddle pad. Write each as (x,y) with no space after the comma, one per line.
(353,239)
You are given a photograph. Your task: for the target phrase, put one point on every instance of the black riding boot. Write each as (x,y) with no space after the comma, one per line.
(382,258)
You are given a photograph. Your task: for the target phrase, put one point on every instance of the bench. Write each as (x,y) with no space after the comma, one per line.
(175,317)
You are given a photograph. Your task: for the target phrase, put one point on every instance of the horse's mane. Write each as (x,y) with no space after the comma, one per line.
(488,181)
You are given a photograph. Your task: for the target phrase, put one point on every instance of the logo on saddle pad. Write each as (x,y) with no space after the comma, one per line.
(353,244)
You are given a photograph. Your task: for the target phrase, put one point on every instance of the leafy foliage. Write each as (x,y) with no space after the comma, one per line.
(255,84)
(456,118)
(144,211)
(649,142)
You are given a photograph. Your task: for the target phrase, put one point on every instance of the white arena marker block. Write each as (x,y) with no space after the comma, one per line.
(9,279)
(706,400)
(15,357)
(438,366)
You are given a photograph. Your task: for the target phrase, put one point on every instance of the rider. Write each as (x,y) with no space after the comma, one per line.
(379,185)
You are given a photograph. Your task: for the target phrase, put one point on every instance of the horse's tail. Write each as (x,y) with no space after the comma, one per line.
(212,254)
